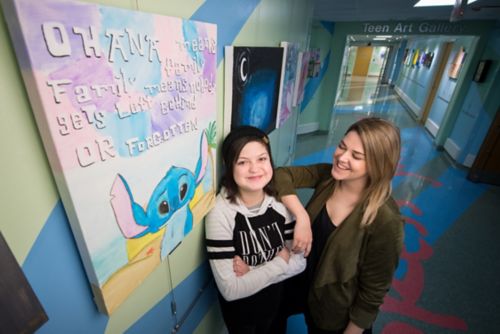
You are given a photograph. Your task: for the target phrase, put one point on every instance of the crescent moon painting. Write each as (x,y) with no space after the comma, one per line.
(253,82)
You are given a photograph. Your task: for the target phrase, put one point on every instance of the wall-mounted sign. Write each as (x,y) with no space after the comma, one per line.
(125,104)
(414,28)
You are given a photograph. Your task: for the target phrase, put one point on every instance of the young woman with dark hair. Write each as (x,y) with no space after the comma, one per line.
(249,234)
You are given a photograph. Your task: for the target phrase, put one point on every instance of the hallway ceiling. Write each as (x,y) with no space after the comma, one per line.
(384,10)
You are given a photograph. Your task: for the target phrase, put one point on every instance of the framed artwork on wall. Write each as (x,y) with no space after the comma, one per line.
(457,63)
(405,55)
(415,60)
(429,56)
(127,116)
(314,63)
(252,86)
(423,56)
(410,57)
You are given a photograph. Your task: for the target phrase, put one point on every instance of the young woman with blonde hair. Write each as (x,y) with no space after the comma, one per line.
(357,229)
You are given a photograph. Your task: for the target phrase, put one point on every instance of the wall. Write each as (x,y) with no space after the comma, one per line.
(479,108)
(34,222)
(447,85)
(414,81)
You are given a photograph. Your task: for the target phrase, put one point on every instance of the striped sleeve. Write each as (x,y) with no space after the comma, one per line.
(219,225)
(219,249)
(289,227)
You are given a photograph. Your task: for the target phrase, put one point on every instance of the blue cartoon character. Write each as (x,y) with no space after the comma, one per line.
(168,205)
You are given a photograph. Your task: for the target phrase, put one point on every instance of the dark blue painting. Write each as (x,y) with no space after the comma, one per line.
(256,79)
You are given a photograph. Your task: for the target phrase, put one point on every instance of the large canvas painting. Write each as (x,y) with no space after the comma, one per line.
(125,104)
(291,51)
(252,86)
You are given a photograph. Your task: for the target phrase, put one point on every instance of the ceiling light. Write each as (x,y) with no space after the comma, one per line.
(430,3)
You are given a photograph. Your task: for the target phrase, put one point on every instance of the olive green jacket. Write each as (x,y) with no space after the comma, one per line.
(357,264)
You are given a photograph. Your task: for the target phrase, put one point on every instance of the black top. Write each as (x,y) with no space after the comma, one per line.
(322,227)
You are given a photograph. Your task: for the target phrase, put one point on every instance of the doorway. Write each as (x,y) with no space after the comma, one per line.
(362,69)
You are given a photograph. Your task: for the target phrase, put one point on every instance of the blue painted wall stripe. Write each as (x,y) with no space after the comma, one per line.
(329,26)
(160,320)
(55,271)
(229,15)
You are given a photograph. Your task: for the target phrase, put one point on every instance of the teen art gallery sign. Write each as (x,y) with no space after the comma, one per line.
(414,28)
(125,104)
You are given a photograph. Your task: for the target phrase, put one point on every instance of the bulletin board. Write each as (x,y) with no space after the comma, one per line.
(125,104)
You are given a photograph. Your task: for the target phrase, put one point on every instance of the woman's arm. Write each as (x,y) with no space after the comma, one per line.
(302,235)
(220,248)
(296,263)
(288,179)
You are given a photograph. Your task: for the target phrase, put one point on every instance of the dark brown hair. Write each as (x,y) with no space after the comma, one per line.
(231,149)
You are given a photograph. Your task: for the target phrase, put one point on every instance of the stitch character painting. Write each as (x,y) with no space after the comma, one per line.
(126,109)
(167,208)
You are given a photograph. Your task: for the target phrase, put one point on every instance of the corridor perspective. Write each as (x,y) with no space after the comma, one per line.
(447,279)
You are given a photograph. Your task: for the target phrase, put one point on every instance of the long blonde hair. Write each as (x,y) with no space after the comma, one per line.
(382,144)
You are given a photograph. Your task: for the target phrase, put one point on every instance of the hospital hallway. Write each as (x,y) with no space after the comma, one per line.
(448,276)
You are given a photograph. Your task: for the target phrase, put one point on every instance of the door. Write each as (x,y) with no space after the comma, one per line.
(362,63)
(486,167)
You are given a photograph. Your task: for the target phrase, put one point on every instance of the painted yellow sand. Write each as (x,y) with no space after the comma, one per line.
(136,246)
(147,257)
